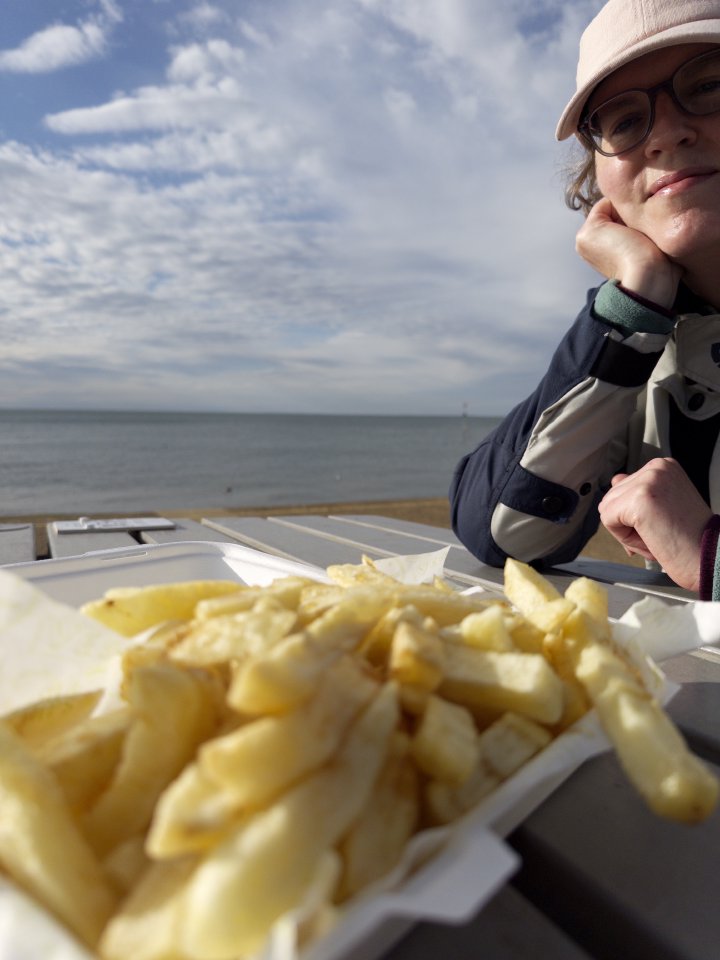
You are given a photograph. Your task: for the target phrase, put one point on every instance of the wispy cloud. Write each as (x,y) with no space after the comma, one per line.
(55,47)
(350,204)
(63,45)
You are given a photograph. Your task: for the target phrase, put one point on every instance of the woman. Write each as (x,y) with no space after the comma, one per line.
(624,426)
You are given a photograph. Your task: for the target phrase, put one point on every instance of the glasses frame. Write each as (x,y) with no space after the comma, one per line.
(667,86)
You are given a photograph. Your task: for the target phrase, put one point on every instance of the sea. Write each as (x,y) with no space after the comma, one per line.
(84,462)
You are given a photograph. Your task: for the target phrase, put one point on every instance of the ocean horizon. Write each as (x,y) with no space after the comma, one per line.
(84,462)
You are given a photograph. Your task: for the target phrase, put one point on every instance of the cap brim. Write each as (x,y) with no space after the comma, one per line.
(699,31)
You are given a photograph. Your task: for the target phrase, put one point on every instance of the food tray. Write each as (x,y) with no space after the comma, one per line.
(469,868)
(75,580)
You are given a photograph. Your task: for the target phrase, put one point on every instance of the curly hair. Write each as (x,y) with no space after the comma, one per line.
(581,189)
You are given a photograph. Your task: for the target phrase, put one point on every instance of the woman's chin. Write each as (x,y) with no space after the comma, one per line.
(691,237)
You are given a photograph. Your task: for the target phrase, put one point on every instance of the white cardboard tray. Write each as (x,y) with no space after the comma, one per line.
(453,885)
(75,580)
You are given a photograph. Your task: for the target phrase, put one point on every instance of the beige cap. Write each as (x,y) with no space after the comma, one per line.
(625,30)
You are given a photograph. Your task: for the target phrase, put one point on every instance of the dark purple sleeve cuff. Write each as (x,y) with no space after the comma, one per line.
(647,303)
(708,552)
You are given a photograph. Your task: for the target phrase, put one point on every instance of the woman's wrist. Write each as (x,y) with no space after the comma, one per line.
(654,285)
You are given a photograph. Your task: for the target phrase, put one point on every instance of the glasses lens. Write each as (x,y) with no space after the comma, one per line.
(621,123)
(697,85)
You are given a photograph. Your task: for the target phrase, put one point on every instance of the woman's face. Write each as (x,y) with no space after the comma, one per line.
(668,187)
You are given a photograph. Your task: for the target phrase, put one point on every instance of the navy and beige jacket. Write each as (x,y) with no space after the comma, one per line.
(627,383)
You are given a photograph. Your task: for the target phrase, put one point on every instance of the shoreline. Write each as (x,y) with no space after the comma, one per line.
(432,511)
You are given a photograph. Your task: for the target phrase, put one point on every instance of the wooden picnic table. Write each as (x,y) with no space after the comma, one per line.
(601,878)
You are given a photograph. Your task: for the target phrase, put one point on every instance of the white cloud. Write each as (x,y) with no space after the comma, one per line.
(201,91)
(55,47)
(346,203)
(61,45)
(206,63)
(203,16)
(152,108)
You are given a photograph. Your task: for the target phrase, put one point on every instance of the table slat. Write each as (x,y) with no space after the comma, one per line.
(372,537)
(441,535)
(185,530)
(75,544)
(695,708)
(620,880)
(17,543)
(293,544)
(624,575)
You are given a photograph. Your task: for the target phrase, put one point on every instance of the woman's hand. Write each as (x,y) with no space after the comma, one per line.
(621,253)
(658,513)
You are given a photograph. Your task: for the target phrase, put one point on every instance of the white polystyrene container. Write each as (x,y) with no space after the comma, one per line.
(75,580)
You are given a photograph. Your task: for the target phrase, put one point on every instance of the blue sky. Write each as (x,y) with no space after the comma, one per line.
(345,206)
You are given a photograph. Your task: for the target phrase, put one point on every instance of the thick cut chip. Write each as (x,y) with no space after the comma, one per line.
(262,758)
(488,682)
(376,644)
(217,640)
(443,585)
(487,630)
(282,679)
(650,748)
(41,847)
(445,802)
(535,597)
(562,654)
(174,710)
(316,598)
(376,841)
(527,589)
(41,721)
(265,869)
(220,639)
(445,745)
(444,608)
(286,675)
(504,747)
(130,610)
(285,591)
(510,742)
(147,926)
(85,757)
(525,636)
(550,617)
(266,624)
(343,625)
(416,656)
(193,814)
(592,598)
(364,573)
(126,864)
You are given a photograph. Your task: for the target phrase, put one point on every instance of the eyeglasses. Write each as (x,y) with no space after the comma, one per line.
(623,122)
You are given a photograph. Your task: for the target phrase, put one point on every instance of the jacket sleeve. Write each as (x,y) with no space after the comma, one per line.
(710,560)
(530,489)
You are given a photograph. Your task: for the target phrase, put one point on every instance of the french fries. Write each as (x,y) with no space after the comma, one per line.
(281,746)
(42,847)
(130,610)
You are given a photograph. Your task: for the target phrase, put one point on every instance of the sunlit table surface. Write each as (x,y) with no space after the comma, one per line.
(600,876)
